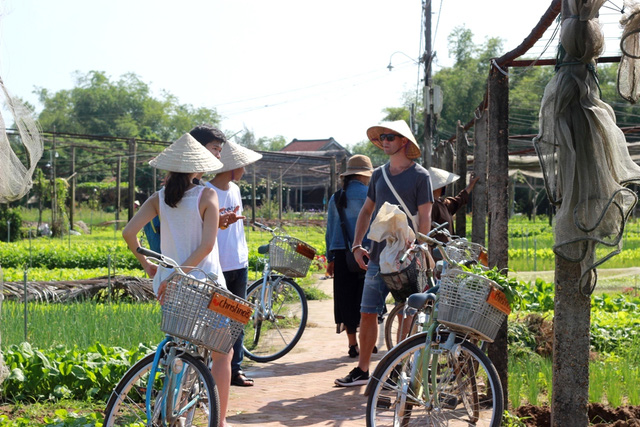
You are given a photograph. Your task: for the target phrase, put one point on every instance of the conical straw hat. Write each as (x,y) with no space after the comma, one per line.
(399,126)
(186,155)
(441,178)
(234,156)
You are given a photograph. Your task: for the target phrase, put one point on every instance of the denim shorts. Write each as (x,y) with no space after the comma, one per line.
(375,291)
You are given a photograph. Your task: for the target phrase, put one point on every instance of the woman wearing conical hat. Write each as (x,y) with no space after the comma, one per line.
(189,215)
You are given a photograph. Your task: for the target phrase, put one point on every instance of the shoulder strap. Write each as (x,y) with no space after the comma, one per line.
(343,221)
(395,193)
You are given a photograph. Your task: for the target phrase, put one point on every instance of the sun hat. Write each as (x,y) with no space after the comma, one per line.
(234,156)
(358,165)
(186,155)
(441,178)
(399,126)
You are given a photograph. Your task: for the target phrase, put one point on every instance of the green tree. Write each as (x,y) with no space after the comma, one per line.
(126,108)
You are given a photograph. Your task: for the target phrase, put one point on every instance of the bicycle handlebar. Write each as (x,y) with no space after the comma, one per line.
(162,260)
(424,237)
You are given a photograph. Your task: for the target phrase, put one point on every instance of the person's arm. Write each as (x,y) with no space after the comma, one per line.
(362,224)
(424,225)
(146,213)
(210,216)
(332,221)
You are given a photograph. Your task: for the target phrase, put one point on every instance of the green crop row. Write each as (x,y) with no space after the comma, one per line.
(38,375)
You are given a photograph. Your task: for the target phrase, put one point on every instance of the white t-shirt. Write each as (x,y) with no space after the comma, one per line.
(232,244)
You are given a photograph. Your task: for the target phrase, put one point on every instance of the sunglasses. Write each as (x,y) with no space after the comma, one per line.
(389,136)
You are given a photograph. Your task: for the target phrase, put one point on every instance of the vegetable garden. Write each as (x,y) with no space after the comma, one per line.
(76,351)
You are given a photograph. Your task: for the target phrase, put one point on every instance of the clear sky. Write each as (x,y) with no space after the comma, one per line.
(296,68)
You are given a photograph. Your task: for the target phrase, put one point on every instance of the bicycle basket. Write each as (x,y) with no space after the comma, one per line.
(463,304)
(461,250)
(290,256)
(203,313)
(410,280)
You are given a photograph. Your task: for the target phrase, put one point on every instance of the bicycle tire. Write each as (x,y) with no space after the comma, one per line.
(271,334)
(467,385)
(394,324)
(126,404)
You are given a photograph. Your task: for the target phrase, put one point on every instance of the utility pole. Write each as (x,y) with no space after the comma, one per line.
(428,107)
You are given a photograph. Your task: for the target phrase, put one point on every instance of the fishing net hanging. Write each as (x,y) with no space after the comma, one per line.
(582,152)
(15,177)
(16,173)
(629,68)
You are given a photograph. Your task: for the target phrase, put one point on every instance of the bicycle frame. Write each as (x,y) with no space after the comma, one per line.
(171,389)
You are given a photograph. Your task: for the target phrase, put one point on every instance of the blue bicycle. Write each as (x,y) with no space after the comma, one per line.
(174,385)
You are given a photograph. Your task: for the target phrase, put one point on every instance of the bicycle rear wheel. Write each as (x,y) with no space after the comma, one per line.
(467,388)
(195,395)
(278,324)
(396,326)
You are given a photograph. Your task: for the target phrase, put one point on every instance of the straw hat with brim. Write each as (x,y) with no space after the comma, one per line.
(234,156)
(441,178)
(400,127)
(358,165)
(186,155)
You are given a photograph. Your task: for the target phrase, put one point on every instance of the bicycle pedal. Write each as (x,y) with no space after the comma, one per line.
(448,401)
(383,402)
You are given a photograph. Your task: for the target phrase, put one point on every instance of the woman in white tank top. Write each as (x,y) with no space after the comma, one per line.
(189,216)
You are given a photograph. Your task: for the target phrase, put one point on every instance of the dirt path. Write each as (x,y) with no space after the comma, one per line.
(298,390)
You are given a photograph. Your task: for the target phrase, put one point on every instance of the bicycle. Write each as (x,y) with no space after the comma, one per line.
(281,311)
(174,386)
(397,323)
(439,376)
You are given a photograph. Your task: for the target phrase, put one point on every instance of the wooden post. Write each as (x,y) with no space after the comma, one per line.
(498,201)
(268,206)
(132,175)
(118,180)
(333,175)
(479,193)
(571,328)
(72,204)
(461,169)
(254,204)
(280,196)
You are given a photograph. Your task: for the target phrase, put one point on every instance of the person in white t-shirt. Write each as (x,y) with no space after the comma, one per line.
(232,244)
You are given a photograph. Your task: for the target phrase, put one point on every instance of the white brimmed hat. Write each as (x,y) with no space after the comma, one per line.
(186,155)
(441,178)
(234,156)
(399,126)
(358,164)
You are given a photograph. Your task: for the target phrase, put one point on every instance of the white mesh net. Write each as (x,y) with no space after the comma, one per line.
(629,68)
(15,178)
(583,153)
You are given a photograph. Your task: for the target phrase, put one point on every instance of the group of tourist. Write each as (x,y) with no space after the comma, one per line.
(201,226)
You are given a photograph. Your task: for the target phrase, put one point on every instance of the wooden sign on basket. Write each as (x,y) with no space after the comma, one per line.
(498,299)
(230,308)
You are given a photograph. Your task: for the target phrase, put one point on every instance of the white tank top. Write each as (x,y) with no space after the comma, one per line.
(181,234)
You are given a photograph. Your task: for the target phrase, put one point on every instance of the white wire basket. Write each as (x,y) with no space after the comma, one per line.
(462,250)
(203,313)
(290,256)
(463,305)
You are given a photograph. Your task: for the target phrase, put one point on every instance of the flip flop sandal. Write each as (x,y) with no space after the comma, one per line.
(241,380)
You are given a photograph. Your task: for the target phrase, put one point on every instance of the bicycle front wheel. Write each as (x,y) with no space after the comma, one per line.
(278,322)
(194,395)
(456,387)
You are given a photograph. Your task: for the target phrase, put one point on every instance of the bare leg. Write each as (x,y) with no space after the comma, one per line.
(352,339)
(368,338)
(221,371)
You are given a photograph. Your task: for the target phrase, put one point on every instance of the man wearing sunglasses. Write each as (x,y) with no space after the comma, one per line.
(412,184)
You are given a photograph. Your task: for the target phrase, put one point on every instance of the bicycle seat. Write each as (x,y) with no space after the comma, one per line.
(418,301)
(264,249)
